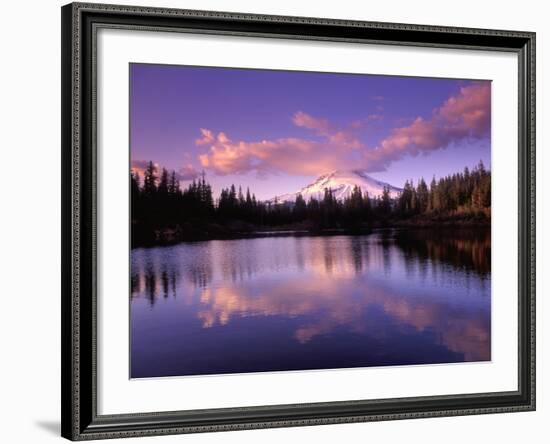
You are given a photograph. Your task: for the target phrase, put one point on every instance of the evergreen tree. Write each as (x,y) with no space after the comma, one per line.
(367,207)
(150,180)
(422,194)
(163,183)
(158,203)
(134,184)
(300,207)
(173,184)
(385,203)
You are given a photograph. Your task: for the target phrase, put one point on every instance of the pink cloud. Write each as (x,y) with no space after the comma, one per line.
(207,137)
(185,173)
(470,110)
(463,116)
(322,126)
(291,155)
(139,166)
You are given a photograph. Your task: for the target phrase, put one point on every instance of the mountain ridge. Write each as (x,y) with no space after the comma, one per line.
(342,183)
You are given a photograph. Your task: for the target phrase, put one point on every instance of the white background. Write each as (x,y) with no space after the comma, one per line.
(30,233)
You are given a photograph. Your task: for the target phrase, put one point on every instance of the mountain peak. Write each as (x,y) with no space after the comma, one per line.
(342,183)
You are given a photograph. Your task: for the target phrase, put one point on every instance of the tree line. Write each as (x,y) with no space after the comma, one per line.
(163,211)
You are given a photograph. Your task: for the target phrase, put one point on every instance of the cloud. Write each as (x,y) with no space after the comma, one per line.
(470,111)
(322,126)
(292,155)
(139,166)
(464,115)
(207,137)
(185,173)
(334,135)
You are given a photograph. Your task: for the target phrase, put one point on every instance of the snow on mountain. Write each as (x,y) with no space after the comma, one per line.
(341,183)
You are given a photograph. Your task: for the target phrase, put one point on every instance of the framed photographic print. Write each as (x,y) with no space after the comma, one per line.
(280,221)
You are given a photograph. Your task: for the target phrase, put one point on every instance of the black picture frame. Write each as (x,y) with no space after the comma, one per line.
(80,420)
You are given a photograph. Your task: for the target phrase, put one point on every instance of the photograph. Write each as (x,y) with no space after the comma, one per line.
(295,220)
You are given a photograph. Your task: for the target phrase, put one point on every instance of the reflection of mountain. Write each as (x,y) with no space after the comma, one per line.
(342,184)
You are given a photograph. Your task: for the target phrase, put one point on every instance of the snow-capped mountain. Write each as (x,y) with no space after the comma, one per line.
(341,183)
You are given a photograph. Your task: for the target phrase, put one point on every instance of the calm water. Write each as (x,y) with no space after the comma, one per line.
(291,303)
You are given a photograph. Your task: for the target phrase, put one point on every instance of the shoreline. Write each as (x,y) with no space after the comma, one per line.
(170,237)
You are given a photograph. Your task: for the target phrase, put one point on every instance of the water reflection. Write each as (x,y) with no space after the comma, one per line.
(464,249)
(393,297)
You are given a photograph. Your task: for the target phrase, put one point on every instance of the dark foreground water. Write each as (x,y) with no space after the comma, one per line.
(293,303)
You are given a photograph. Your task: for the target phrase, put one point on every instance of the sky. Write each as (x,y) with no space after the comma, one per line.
(276,131)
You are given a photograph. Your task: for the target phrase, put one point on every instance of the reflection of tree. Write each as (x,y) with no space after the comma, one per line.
(463,249)
(134,284)
(151,286)
(200,275)
(356,253)
(238,269)
(300,254)
(153,281)
(386,241)
(230,260)
(165,284)
(328,255)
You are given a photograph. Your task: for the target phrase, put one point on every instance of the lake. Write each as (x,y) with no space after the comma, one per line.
(393,297)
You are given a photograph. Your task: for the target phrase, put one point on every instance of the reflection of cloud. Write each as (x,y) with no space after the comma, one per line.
(459,331)
(335,303)
(464,115)
(329,284)
(223,303)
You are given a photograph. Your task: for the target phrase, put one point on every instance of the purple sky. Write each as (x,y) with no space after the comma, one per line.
(276,131)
